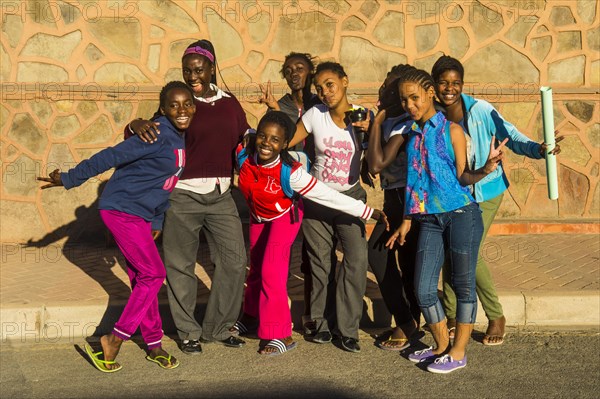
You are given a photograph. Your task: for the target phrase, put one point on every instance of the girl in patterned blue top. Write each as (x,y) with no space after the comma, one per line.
(450,219)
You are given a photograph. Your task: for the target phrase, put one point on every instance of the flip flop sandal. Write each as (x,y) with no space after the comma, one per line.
(280,347)
(241,329)
(487,337)
(168,359)
(397,344)
(99,363)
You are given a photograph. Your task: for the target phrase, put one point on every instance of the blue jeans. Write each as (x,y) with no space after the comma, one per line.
(457,233)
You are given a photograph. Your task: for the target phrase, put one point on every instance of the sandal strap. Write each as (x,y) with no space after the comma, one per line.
(277,344)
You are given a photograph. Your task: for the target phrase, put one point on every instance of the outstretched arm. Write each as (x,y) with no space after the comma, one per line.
(300,135)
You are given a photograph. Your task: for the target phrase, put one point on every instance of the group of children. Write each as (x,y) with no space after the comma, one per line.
(439,170)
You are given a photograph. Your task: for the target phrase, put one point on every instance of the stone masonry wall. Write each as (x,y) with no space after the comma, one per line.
(74,72)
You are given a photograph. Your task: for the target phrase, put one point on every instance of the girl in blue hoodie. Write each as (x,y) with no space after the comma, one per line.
(132,206)
(481,123)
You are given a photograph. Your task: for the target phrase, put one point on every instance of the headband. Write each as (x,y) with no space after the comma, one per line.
(199,50)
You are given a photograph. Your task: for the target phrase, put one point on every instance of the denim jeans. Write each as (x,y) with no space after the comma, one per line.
(459,234)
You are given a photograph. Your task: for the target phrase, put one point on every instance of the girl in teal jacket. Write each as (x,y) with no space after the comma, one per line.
(482,123)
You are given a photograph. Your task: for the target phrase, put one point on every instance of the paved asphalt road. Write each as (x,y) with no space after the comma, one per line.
(532,364)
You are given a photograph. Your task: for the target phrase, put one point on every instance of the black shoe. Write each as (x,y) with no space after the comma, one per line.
(350,344)
(191,347)
(323,337)
(233,342)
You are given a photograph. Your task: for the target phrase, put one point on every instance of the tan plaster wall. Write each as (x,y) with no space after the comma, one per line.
(74,73)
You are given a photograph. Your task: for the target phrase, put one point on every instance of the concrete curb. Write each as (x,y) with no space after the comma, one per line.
(53,322)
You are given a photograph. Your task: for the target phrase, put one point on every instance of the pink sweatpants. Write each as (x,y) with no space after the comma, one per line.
(146,272)
(266,286)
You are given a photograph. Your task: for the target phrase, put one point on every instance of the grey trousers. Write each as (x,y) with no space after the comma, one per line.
(217,214)
(319,227)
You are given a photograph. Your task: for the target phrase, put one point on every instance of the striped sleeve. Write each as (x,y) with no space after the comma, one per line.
(309,187)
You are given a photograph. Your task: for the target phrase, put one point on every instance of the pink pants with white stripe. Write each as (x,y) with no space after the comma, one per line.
(266,286)
(146,272)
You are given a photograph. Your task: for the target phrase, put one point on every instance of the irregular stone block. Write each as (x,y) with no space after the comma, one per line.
(504,58)
(586,10)
(595,207)
(593,134)
(235,76)
(574,150)
(146,109)
(369,8)
(178,19)
(271,72)
(458,42)
(310,30)
(365,62)
(93,53)
(40,72)
(173,74)
(427,62)
(59,157)
(6,66)
(595,73)
(484,21)
(573,192)
(120,111)
(427,37)
(59,48)
(254,59)
(110,33)
(570,70)
(582,110)
(153,57)
(568,41)
(519,114)
(522,178)
(10,153)
(69,13)
(390,29)
(26,132)
(41,109)
(509,208)
(18,178)
(156,32)
(177,48)
(119,72)
(259,26)
(595,169)
(561,16)
(87,109)
(539,206)
(20,221)
(99,131)
(226,39)
(519,31)
(593,39)
(81,74)
(4,114)
(353,24)
(12,26)
(64,126)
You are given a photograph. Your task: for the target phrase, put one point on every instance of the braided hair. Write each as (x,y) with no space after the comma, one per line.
(446,63)
(419,76)
(175,84)
(289,128)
